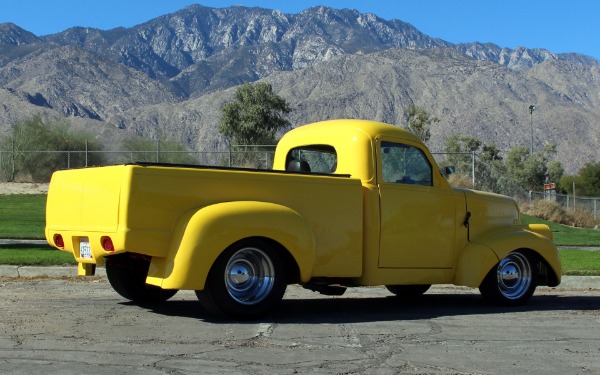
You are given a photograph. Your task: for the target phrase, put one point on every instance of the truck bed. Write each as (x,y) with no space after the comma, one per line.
(139,205)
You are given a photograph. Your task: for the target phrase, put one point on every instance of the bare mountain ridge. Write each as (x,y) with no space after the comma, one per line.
(470,97)
(171,75)
(200,39)
(77,83)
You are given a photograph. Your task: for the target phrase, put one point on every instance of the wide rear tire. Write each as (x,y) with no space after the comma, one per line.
(127,275)
(512,281)
(246,281)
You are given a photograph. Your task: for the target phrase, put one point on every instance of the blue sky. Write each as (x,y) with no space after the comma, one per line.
(557,25)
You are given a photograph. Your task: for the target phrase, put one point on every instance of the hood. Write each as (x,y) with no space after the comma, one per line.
(489,211)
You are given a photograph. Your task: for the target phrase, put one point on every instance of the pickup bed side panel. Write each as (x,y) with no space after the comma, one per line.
(201,236)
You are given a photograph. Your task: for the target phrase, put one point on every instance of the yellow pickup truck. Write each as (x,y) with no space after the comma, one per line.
(347,203)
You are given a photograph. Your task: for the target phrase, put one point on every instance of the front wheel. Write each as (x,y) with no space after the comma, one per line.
(511,282)
(246,281)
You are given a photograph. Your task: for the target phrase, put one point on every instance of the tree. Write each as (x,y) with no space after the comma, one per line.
(418,122)
(532,171)
(465,155)
(460,152)
(586,183)
(38,148)
(555,173)
(254,116)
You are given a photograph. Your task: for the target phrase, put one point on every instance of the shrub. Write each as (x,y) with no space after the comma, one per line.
(460,180)
(552,211)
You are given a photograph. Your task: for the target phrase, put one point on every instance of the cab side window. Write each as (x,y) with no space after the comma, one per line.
(405,164)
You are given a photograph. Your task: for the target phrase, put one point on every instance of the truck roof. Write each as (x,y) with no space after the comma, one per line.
(353,141)
(350,127)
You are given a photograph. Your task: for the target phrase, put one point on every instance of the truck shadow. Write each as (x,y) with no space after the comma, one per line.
(358,310)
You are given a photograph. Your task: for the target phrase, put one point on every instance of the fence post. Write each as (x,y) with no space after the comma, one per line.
(12,175)
(266,159)
(473,167)
(530,196)
(158,150)
(86,153)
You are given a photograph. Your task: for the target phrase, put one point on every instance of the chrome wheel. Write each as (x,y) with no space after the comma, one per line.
(247,281)
(512,281)
(514,276)
(249,276)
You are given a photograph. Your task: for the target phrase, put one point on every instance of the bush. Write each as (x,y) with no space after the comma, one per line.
(460,180)
(552,211)
(38,148)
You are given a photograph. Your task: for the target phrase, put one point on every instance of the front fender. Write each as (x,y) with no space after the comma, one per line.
(475,261)
(480,255)
(201,236)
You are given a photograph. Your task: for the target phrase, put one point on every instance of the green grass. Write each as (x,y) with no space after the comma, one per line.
(565,235)
(22,216)
(580,262)
(34,255)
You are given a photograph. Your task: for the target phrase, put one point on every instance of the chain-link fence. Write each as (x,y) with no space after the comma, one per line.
(37,166)
(485,175)
(591,204)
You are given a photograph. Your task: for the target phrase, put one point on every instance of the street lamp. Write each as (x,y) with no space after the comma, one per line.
(531,109)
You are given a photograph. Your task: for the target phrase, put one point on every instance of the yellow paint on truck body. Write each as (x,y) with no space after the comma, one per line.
(381,214)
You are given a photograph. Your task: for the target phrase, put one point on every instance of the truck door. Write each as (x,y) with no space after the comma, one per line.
(417,217)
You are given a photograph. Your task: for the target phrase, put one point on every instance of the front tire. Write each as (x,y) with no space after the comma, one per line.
(127,275)
(512,281)
(246,281)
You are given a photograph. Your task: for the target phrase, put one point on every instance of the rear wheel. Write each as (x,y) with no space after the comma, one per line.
(246,281)
(127,275)
(512,281)
(408,291)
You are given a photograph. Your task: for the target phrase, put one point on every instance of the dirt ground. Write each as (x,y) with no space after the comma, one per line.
(7,188)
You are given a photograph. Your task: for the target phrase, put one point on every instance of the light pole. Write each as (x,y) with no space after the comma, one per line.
(531,109)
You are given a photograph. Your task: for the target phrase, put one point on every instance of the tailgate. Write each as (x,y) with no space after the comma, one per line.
(84,200)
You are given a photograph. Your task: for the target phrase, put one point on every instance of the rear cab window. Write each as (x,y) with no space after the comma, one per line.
(312,158)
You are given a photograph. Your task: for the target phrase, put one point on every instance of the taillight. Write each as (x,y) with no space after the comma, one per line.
(58,241)
(107,244)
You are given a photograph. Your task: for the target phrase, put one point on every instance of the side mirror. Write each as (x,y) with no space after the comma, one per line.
(448,171)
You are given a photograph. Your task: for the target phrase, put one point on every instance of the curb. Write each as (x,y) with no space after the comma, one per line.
(580,282)
(50,271)
(568,282)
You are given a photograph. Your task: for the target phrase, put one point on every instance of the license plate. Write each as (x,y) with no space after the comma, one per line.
(85,251)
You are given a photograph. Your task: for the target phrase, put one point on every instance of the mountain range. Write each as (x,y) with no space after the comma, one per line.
(171,75)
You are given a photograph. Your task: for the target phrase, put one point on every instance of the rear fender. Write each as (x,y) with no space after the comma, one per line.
(201,236)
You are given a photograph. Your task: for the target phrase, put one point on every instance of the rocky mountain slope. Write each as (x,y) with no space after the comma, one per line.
(172,74)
